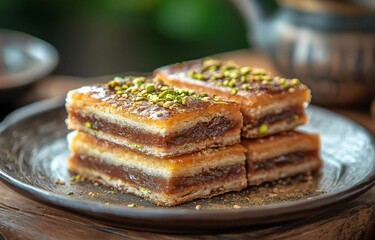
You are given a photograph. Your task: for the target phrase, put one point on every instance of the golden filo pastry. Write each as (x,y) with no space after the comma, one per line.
(269,104)
(163,181)
(282,155)
(153,118)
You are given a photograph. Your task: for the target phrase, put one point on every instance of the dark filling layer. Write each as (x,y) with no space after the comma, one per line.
(201,131)
(287,114)
(156,183)
(283,160)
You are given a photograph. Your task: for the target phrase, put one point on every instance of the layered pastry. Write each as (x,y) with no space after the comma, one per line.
(153,118)
(163,181)
(279,156)
(269,104)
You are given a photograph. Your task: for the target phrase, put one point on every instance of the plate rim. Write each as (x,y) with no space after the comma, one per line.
(271,213)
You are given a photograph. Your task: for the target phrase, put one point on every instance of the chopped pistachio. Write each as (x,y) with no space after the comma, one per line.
(119,92)
(231,83)
(245,86)
(115,82)
(139,80)
(167,104)
(160,103)
(212,68)
(131,205)
(166,92)
(87,124)
(259,71)
(294,81)
(263,129)
(245,70)
(70,193)
(150,88)
(163,88)
(191,73)
(169,97)
(129,89)
(212,62)
(134,90)
(217,99)
(267,78)
(143,190)
(89,170)
(177,99)
(136,145)
(75,178)
(118,88)
(153,98)
(118,79)
(234,90)
(184,100)
(282,81)
(139,98)
(231,64)
(198,76)
(234,74)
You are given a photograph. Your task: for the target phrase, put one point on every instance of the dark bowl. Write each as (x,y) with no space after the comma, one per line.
(24,59)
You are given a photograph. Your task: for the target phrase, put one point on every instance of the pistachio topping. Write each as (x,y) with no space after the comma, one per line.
(139,89)
(136,145)
(87,124)
(263,129)
(143,190)
(239,78)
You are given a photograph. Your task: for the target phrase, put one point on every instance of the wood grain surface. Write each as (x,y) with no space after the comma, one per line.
(22,218)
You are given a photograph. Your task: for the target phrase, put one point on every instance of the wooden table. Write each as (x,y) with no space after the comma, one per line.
(21,218)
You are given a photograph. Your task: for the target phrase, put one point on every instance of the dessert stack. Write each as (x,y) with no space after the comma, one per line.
(272,107)
(166,144)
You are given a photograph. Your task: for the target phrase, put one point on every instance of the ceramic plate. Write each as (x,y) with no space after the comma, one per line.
(24,59)
(33,150)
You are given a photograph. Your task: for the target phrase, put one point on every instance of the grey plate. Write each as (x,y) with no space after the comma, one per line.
(33,152)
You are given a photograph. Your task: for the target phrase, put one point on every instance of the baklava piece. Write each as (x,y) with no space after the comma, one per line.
(269,104)
(153,118)
(281,156)
(163,181)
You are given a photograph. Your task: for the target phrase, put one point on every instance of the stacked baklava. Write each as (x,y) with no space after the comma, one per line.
(271,106)
(166,144)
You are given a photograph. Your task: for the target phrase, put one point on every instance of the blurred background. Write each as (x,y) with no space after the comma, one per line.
(98,37)
(328,44)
